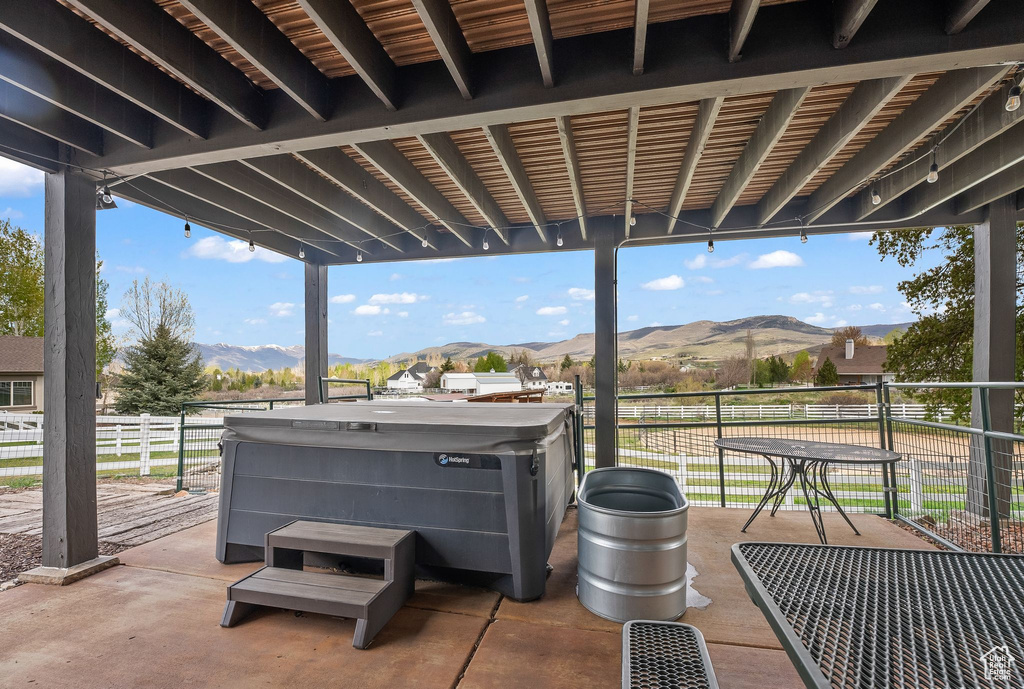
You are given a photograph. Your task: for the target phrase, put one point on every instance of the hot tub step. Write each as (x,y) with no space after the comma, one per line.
(284,584)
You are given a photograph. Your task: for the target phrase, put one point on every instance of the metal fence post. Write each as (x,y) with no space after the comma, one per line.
(990,474)
(181,450)
(721,452)
(580,451)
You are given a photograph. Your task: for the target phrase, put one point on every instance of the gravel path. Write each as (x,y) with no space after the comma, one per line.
(20,553)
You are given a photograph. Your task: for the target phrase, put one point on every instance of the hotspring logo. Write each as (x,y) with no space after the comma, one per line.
(447,459)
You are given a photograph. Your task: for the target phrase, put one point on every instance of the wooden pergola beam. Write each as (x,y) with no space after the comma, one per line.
(39,116)
(849,15)
(572,165)
(769,130)
(741,20)
(961,12)
(996,187)
(632,127)
(707,113)
(347,32)
(505,149)
(150,30)
(29,147)
(540,28)
(450,158)
(867,98)
(254,36)
(989,120)
(640,13)
(445,32)
(951,92)
(396,167)
(80,46)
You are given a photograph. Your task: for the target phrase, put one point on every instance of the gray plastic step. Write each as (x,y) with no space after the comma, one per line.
(284,584)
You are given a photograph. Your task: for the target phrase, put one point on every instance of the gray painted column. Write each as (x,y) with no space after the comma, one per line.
(605,346)
(69,359)
(995,312)
(316,329)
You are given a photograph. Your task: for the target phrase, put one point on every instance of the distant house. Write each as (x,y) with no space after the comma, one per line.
(532,377)
(857,365)
(480,383)
(411,378)
(21,373)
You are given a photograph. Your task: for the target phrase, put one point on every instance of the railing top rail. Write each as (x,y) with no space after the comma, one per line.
(990,385)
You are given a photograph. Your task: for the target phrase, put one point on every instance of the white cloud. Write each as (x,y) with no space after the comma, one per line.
(866,289)
(403,314)
(876,307)
(551,311)
(375,333)
(839,324)
(521,299)
(232,251)
(11,214)
(564,321)
(776,259)
(581,294)
(666,283)
(397,298)
(655,324)
(697,262)
(858,236)
(343,299)
(633,318)
(369,310)
(463,318)
(819,297)
(703,279)
(729,262)
(112,313)
(255,321)
(816,319)
(282,309)
(396,276)
(17,179)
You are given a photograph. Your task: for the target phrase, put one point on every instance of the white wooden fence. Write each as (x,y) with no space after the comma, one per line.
(734,412)
(21,437)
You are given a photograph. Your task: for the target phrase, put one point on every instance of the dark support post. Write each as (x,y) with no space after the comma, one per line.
(605,365)
(995,312)
(316,330)
(69,359)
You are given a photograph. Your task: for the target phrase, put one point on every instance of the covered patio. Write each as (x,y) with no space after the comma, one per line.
(153,622)
(357,132)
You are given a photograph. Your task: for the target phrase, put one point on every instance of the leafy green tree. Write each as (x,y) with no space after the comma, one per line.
(21,287)
(493,361)
(826,374)
(940,344)
(850,332)
(106,344)
(161,372)
(892,336)
(567,362)
(762,373)
(802,368)
(778,369)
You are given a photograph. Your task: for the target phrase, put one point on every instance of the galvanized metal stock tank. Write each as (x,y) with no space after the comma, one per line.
(632,544)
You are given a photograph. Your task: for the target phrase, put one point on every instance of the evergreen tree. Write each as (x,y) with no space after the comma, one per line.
(826,374)
(448,365)
(567,362)
(161,372)
(778,369)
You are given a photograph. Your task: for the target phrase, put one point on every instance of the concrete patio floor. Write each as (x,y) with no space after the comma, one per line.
(154,622)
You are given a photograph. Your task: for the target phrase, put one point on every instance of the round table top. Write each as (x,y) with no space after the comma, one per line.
(809,450)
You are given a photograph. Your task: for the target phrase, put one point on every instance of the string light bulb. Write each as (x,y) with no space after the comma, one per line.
(252,247)
(558,239)
(359,257)
(425,243)
(876,198)
(188,229)
(486,245)
(1013,98)
(632,221)
(803,237)
(711,246)
(105,194)
(302,251)
(933,171)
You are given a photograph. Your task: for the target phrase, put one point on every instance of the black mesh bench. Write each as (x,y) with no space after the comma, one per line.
(665,655)
(878,617)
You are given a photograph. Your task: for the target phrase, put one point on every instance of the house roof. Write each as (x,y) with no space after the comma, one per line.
(398,375)
(21,354)
(532,372)
(867,359)
(421,368)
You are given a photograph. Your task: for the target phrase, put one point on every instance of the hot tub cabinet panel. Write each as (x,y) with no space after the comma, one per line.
(483,485)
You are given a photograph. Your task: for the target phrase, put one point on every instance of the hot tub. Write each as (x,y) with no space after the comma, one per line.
(484,485)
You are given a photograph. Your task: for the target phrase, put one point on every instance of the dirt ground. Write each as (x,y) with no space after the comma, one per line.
(21,553)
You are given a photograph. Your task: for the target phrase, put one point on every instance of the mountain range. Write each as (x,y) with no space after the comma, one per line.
(708,340)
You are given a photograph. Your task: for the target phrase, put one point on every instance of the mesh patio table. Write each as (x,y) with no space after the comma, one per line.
(810,461)
(861,618)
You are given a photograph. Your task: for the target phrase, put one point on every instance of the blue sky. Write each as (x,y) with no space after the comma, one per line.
(379,310)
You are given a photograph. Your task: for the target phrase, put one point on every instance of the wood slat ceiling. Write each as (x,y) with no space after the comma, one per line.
(414,151)
(540,150)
